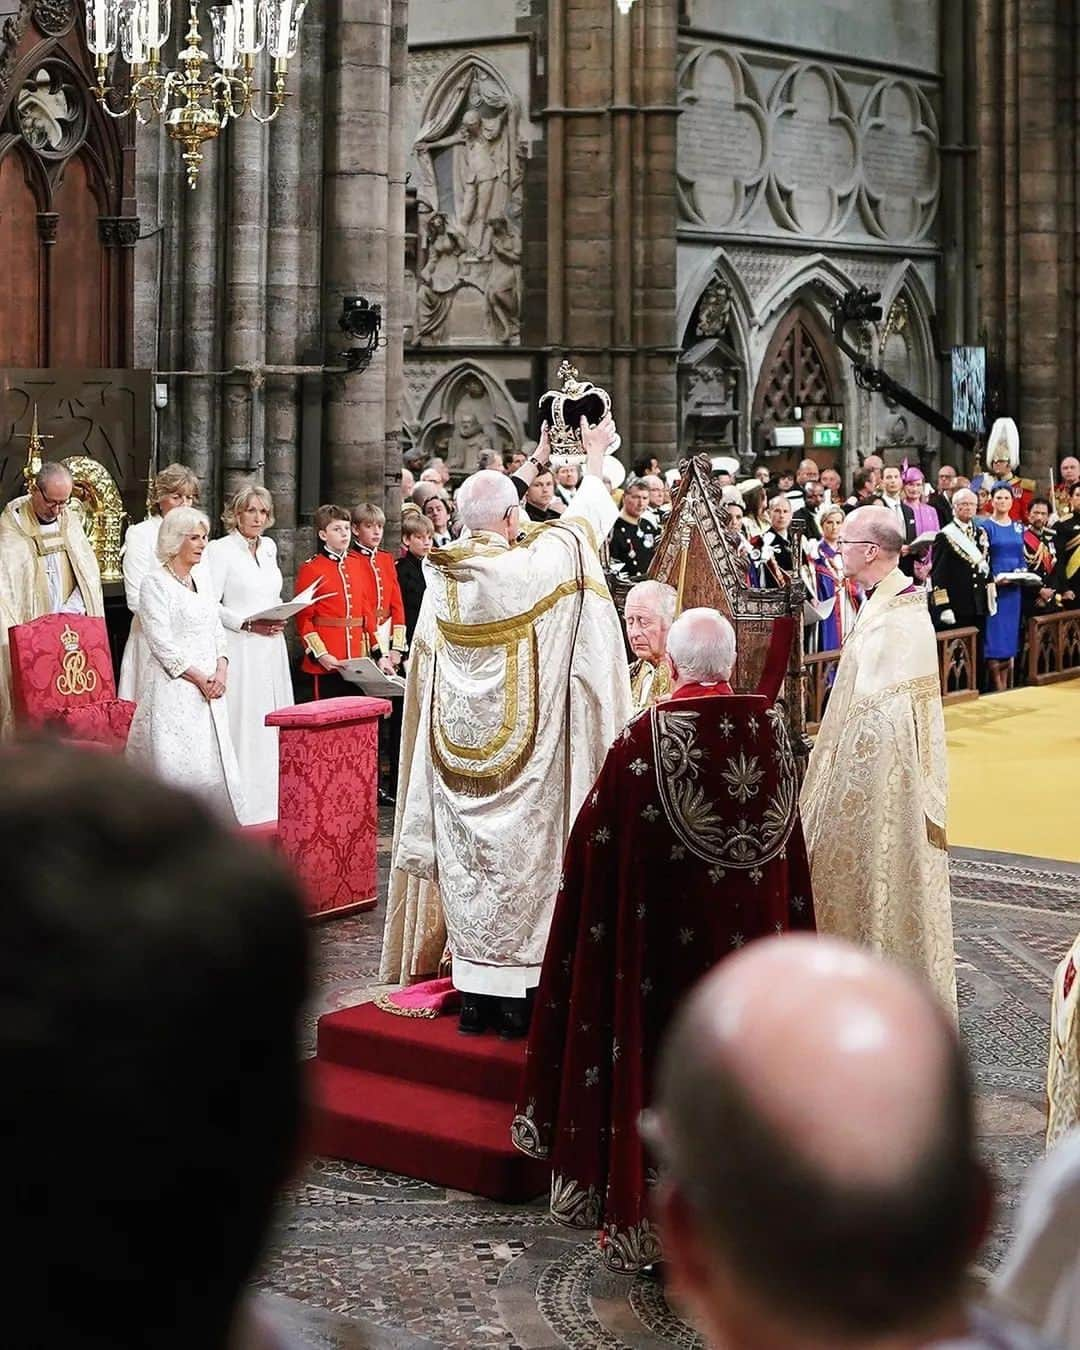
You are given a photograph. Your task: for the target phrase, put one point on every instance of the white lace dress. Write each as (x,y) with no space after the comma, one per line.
(259,679)
(175,732)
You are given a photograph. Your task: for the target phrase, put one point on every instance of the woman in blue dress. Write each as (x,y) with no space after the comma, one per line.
(1006,555)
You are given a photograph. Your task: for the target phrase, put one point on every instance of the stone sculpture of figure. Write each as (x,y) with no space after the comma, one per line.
(439,279)
(466,441)
(503,291)
(476,176)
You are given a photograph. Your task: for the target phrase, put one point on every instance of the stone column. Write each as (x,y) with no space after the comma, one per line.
(293,311)
(393,318)
(355,207)
(1028,108)
(611,208)
(245,300)
(201,347)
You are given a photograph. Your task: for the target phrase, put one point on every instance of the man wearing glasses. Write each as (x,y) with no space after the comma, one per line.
(47,565)
(874,798)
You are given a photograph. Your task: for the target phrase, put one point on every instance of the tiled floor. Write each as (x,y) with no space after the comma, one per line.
(362,1258)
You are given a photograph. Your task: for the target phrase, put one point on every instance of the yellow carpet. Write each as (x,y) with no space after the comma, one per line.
(1014,772)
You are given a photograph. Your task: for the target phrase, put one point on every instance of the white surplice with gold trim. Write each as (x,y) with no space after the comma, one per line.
(874,800)
(521,688)
(44,569)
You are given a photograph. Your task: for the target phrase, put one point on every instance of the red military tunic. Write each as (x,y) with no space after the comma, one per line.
(381,599)
(339,622)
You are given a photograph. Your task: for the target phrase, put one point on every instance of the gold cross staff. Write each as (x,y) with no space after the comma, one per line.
(33,450)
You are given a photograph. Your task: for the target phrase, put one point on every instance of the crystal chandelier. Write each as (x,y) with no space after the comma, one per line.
(197,99)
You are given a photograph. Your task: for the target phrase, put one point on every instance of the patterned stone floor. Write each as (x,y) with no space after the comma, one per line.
(363,1258)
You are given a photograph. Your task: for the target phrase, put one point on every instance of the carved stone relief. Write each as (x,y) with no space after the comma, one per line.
(50,112)
(465,410)
(469,156)
(824,153)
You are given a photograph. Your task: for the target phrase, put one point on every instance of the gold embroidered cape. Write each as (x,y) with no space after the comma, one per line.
(24,587)
(874,799)
(1063,1068)
(525,689)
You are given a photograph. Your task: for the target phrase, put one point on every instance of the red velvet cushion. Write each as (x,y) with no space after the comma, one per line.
(329,712)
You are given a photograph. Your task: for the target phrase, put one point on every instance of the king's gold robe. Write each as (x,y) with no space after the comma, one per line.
(24,581)
(517,687)
(874,799)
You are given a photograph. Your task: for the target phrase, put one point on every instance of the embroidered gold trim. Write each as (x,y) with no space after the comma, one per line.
(936,835)
(486,782)
(694,817)
(491,747)
(386,1004)
(629,1250)
(525,1134)
(518,625)
(573,1205)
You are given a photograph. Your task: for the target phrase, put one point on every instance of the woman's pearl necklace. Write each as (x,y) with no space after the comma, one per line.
(184,581)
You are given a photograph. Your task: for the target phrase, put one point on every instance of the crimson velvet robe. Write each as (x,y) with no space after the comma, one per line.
(688,847)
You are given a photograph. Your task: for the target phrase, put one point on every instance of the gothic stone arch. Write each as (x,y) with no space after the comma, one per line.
(801,369)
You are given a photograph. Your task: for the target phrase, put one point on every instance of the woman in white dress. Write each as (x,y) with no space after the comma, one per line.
(181,728)
(176,485)
(246,579)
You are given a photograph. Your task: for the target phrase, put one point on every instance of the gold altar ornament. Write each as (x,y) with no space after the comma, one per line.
(562,410)
(96,500)
(197,100)
(35,444)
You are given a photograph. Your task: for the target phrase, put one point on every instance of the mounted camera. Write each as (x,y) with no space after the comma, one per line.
(362,320)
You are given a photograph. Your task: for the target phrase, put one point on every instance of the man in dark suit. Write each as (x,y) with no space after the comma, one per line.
(892,499)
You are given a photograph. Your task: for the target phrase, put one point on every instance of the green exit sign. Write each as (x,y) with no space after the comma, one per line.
(828,437)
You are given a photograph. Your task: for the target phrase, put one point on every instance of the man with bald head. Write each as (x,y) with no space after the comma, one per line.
(47,565)
(687,847)
(874,797)
(821,1190)
(648,615)
(517,685)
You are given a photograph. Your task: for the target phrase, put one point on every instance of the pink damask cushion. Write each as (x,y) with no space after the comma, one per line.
(59,662)
(106,723)
(329,712)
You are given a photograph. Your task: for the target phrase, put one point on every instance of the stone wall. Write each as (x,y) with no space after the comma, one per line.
(1028,89)
(809,161)
(239,282)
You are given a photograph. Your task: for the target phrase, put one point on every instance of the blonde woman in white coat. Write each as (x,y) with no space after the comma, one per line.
(181,727)
(246,578)
(174,486)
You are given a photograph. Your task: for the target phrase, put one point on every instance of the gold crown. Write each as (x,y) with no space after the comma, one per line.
(69,640)
(562,410)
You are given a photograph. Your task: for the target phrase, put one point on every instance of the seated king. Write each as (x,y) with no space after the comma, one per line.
(648,615)
(688,847)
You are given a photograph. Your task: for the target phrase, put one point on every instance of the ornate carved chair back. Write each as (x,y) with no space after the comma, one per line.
(698,555)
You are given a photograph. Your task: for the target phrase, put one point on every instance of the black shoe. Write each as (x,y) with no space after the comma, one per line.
(387,797)
(514,1016)
(473,1018)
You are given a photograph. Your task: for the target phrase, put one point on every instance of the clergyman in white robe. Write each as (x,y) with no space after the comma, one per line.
(517,687)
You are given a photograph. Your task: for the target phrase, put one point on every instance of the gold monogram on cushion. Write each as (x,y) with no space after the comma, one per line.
(76,676)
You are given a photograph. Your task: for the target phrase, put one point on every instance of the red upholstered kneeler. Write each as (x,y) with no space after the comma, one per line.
(62,676)
(327,799)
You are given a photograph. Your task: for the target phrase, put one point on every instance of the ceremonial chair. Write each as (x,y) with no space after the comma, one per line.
(698,554)
(62,678)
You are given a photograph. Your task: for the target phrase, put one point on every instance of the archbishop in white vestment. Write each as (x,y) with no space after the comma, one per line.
(47,566)
(517,687)
(874,800)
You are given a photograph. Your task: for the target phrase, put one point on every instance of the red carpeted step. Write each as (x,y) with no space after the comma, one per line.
(423,1050)
(419,1130)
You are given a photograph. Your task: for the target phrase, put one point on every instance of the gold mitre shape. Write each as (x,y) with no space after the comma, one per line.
(562,410)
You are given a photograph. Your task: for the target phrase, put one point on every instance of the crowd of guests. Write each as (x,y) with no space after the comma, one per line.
(990,553)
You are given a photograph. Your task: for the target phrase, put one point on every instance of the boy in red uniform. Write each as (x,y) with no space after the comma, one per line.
(338,627)
(382,594)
